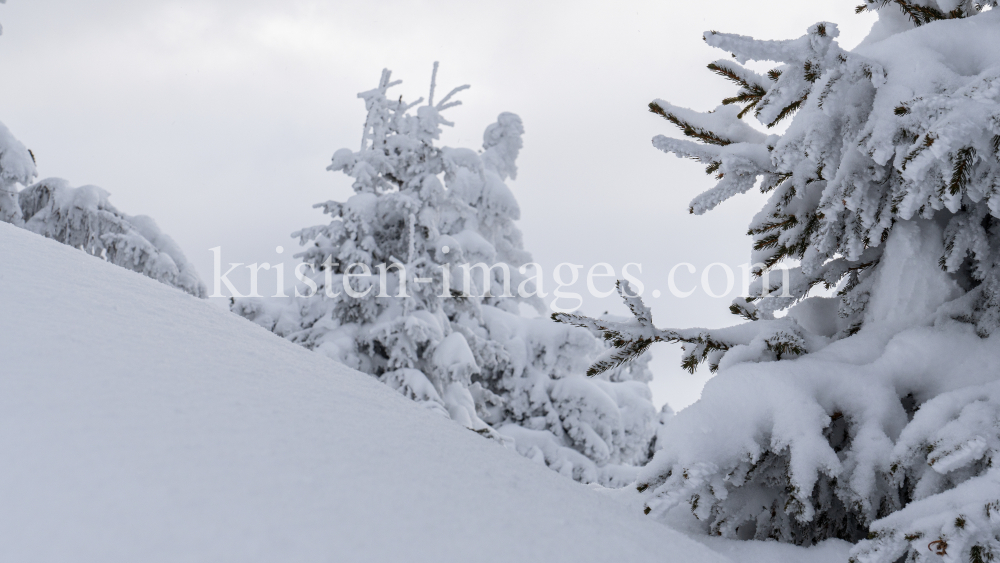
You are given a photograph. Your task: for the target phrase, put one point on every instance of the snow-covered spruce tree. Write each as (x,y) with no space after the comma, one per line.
(445,334)
(17,167)
(83,218)
(872,415)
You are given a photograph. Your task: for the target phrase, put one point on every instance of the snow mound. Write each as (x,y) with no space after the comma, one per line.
(138,423)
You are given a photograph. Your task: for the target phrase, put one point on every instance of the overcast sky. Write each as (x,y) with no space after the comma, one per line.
(219,117)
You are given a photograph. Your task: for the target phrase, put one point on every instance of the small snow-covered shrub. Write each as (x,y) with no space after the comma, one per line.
(868,416)
(455,342)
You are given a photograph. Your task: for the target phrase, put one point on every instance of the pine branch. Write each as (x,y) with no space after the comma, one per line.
(744,308)
(631,339)
(917,13)
(682,148)
(928,141)
(774,181)
(748,98)
(639,310)
(962,171)
(723,69)
(787,111)
(785,222)
(811,71)
(752,87)
(688,129)
(770,241)
(784,343)
(920,15)
(616,357)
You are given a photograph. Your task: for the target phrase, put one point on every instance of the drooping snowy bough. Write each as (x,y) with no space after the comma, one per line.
(881,421)
(419,280)
(84,218)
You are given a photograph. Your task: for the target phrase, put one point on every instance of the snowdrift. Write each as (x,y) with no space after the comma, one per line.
(138,423)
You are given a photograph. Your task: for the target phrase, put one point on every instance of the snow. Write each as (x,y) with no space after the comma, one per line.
(831,551)
(141,424)
(910,286)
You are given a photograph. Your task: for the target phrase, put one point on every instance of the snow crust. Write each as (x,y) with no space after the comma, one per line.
(138,423)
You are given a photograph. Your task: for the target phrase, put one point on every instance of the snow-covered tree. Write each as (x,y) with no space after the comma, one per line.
(17,167)
(83,218)
(419,280)
(870,415)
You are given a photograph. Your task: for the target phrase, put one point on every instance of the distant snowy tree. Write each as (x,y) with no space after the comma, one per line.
(83,218)
(848,417)
(17,166)
(450,333)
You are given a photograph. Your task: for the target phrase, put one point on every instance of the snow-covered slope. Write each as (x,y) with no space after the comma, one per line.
(138,423)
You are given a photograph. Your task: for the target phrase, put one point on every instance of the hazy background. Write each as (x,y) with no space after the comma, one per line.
(219,117)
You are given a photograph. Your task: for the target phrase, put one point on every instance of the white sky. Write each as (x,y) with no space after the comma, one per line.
(219,117)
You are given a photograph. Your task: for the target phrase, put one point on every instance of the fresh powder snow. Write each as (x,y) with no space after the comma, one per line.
(142,424)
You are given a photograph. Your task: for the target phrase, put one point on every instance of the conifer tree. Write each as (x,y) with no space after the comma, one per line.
(392,288)
(847,417)
(85,219)
(17,166)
